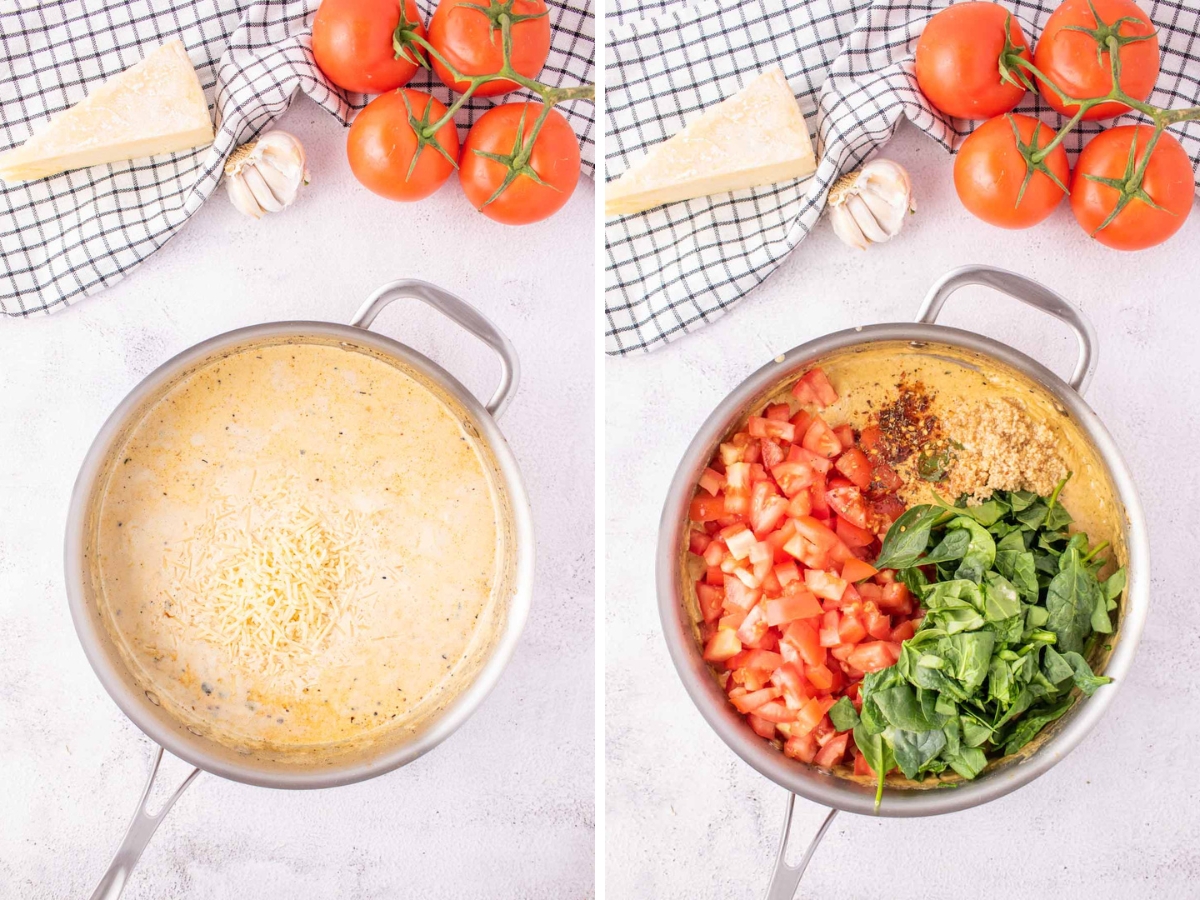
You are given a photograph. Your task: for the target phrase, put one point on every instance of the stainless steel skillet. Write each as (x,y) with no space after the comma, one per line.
(675,611)
(336,764)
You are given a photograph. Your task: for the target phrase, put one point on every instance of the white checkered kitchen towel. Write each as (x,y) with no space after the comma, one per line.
(75,233)
(672,270)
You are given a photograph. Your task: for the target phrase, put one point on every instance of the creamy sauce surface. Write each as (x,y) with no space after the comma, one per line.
(341,433)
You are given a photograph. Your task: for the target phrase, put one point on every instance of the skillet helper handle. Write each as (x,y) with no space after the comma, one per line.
(786,877)
(141,829)
(1028,292)
(460,312)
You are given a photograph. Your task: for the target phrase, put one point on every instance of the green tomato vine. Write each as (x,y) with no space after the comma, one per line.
(1016,70)
(413,47)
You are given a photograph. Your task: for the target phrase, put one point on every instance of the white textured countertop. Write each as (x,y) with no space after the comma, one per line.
(503,809)
(1118,817)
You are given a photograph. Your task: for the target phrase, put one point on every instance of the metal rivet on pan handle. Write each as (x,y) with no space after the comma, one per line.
(458,311)
(141,829)
(1028,292)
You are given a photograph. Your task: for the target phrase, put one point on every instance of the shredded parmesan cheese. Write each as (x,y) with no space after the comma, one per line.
(271,578)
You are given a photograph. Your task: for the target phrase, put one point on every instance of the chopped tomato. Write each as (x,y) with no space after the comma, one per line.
(710,599)
(831,754)
(706,509)
(848,502)
(854,465)
(821,440)
(787,518)
(724,645)
(796,603)
(854,570)
(873,656)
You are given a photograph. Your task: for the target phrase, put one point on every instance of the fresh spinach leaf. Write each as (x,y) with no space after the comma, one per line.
(843,715)
(878,754)
(953,546)
(1000,600)
(915,750)
(1029,727)
(967,762)
(900,707)
(1070,600)
(1085,679)
(908,537)
(1055,668)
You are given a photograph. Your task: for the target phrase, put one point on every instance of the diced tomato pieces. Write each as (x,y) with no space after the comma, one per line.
(752,700)
(809,716)
(779,412)
(886,510)
(801,420)
(831,754)
(710,599)
(845,435)
(854,465)
(873,656)
(706,509)
(772,453)
(854,537)
(776,711)
(825,584)
(796,603)
(767,509)
(851,630)
(895,596)
(841,652)
(802,635)
(819,676)
(724,645)
(793,477)
(879,624)
(802,390)
(761,726)
(738,596)
(848,502)
(753,627)
(861,767)
(796,689)
(869,439)
(765,661)
(821,440)
(855,570)
(787,572)
(818,463)
(712,481)
(739,539)
(903,631)
(830,635)
(772,428)
(821,386)
(802,747)
(884,479)
(698,542)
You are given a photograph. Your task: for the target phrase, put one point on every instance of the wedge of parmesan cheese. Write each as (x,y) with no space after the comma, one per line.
(156,106)
(757,136)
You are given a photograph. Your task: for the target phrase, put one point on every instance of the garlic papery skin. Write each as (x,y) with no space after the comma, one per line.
(265,175)
(869,206)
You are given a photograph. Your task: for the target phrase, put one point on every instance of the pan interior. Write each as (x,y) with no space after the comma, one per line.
(958,378)
(346,464)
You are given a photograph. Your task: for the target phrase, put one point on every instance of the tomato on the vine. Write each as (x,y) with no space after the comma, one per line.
(352,43)
(992,177)
(1168,182)
(1067,54)
(467,35)
(383,142)
(957,60)
(496,148)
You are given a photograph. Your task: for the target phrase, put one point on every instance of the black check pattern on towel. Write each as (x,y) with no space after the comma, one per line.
(75,233)
(672,270)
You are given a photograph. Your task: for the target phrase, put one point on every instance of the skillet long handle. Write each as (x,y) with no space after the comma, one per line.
(786,878)
(1029,292)
(141,829)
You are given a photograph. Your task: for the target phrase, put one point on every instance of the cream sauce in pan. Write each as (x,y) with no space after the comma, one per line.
(254,447)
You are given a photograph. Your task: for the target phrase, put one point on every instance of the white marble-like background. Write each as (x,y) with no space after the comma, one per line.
(504,808)
(1117,818)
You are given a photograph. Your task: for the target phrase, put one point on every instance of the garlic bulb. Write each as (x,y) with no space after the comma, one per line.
(868,206)
(265,175)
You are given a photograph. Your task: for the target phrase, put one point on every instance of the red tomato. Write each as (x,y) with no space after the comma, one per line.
(957,60)
(780,617)
(1068,57)
(989,172)
(352,44)
(381,145)
(468,37)
(831,754)
(504,131)
(1168,181)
